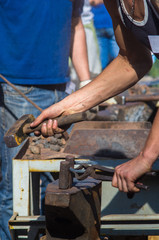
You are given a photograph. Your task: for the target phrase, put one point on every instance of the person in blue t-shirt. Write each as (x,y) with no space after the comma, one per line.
(36,40)
(105,34)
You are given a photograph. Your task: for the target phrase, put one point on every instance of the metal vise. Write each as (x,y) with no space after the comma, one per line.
(72,210)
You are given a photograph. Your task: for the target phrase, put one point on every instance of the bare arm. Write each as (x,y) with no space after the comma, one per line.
(127,173)
(79,50)
(132,63)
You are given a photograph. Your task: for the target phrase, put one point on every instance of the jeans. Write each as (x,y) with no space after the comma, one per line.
(108,47)
(12,107)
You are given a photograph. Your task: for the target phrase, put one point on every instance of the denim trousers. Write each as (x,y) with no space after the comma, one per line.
(108,47)
(12,107)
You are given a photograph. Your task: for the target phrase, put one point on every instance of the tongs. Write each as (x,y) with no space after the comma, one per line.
(103,173)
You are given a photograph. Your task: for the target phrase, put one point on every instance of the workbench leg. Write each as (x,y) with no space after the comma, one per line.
(21,187)
(34,193)
(33,233)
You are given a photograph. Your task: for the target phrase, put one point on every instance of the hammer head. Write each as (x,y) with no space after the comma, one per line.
(15,135)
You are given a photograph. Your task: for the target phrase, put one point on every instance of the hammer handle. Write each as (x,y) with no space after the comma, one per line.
(62,121)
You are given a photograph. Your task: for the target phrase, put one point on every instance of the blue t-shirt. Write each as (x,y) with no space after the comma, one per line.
(35,40)
(102,18)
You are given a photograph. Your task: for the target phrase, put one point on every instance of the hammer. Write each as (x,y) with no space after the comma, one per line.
(21,128)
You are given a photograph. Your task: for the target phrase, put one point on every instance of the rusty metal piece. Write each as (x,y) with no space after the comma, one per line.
(73,213)
(111,125)
(139,89)
(70,159)
(120,143)
(132,112)
(137,98)
(65,176)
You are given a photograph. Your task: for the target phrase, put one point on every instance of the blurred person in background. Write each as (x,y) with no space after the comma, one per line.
(92,48)
(108,47)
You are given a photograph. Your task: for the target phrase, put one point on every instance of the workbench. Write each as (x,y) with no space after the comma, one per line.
(119,215)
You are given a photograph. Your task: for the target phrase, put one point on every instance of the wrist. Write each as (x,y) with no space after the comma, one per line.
(148,157)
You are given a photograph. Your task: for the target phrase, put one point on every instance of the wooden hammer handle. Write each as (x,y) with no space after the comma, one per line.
(62,121)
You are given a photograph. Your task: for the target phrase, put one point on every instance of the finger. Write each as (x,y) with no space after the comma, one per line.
(38,120)
(114,181)
(118,178)
(47,113)
(119,181)
(132,187)
(44,130)
(50,130)
(56,128)
(37,133)
(124,186)
(55,124)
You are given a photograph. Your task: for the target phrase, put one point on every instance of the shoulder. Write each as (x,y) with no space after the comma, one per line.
(111,6)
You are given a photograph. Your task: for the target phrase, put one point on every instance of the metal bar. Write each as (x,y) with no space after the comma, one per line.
(130,229)
(142,98)
(130,217)
(65,176)
(21,93)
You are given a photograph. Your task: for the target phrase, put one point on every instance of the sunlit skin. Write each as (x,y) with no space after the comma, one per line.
(156,4)
(139,8)
(132,63)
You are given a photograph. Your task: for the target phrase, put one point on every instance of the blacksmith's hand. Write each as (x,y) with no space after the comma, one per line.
(127,174)
(50,128)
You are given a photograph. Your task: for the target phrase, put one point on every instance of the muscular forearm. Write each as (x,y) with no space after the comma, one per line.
(126,174)
(79,51)
(117,77)
(151,149)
